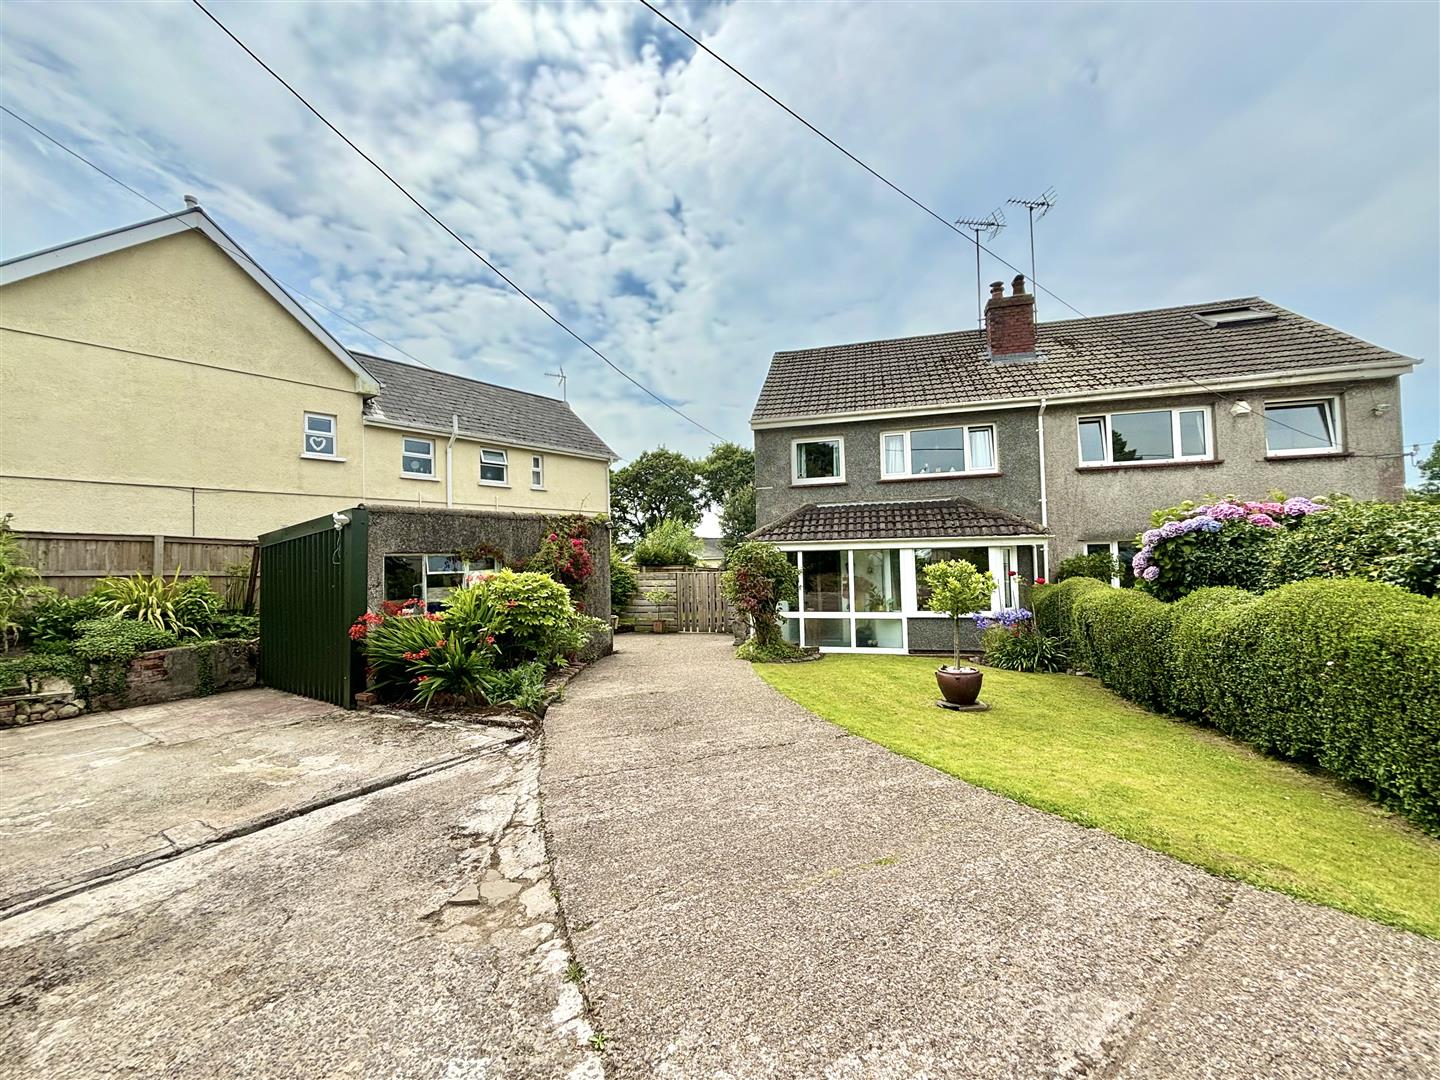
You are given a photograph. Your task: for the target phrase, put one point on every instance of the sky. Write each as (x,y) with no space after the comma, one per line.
(688,228)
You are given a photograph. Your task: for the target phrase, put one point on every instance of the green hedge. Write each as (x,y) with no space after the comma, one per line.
(1340,672)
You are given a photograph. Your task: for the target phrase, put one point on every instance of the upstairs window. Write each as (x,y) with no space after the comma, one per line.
(537,472)
(319,441)
(495,467)
(417,458)
(1152,435)
(938,451)
(818,461)
(1301,427)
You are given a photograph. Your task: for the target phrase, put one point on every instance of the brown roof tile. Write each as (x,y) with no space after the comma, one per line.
(920,519)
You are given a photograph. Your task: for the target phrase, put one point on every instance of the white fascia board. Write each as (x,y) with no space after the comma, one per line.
(489,440)
(1280,379)
(932,541)
(93,247)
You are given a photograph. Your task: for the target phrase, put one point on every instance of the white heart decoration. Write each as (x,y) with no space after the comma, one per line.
(317,443)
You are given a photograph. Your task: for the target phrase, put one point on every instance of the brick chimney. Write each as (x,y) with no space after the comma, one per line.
(1010,320)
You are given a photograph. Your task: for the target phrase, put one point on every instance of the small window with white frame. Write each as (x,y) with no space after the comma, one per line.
(495,468)
(319,439)
(417,458)
(1146,435)
(818,461)
(537,472)
(1294,428)
(943,451)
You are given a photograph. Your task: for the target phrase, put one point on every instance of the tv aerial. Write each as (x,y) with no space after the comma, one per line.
(1044,204)
(990,226)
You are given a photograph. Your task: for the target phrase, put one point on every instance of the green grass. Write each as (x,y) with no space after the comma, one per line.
(1067,745)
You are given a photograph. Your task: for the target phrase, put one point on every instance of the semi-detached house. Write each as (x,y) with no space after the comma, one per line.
(157,380)
(1023,443)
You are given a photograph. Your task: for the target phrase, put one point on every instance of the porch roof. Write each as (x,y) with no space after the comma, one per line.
(921,519)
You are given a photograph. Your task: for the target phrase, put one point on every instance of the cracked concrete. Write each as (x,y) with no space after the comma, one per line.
(408,932)
(753,892)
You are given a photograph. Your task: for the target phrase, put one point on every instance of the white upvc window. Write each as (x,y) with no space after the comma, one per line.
(319,439)
(817,461)
(1146,435)
(1307,426)
(537,472)
(958,450)
(417,459)
(495,468)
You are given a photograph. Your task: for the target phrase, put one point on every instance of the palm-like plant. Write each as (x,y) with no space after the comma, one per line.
(170,605)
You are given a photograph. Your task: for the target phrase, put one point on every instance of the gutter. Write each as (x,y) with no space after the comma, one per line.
(450,460)
(487,440)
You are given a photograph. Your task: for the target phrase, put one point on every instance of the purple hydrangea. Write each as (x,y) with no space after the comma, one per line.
(1263,520)
(1151,573)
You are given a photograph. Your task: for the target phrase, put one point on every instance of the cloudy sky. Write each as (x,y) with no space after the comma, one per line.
(688,228)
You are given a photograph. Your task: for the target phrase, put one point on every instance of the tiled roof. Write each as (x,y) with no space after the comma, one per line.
(416,395)
(1135,349)
(921,519)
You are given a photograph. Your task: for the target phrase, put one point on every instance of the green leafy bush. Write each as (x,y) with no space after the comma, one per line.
(671,543)
(1124,635)
(758,578)
(1196,649)
(1022,648)
(565,552)
(534,619)
(624,580)
(118,639)
(228,625)
(957,589)
(180,607)
(1100,566)
(20,584)
(390,644)
(1052,606)
(1397,543)
(26,674)
(452,670)
(55,620)
(521,687)
(768,652)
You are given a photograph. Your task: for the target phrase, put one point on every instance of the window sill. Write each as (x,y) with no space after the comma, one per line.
(1310,455)
(321,457)
(941,476)
(493,483)
(534,488)
(827,482)
(419,476)
(1204,463)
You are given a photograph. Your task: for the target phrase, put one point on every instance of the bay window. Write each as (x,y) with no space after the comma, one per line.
(818,461)
(1145,435)
(945,451)
(1301,427)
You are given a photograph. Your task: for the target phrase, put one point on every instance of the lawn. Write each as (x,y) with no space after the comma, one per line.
(1067,745)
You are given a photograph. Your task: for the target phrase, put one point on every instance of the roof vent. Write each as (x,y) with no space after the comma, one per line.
(1233,316)
(191,202)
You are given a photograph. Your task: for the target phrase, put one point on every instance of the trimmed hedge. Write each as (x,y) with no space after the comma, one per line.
(1340,672)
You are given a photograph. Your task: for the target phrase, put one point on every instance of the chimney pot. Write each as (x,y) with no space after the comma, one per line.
(1018,285)
(997,288)
(191,202)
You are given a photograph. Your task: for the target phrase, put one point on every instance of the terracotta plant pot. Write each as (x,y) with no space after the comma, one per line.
(658,626)
(960,686)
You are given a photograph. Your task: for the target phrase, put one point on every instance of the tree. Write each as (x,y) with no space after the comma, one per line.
(757,579)
(1429,489)
(737,516)
(724,471)
(657,486)
(957,589)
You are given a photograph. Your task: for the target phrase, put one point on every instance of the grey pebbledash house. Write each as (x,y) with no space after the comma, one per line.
(1019,445)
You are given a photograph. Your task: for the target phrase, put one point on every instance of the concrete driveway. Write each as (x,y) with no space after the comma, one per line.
(258,885)
(754,892)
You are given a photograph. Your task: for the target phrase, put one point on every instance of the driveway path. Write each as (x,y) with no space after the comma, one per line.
(753,892)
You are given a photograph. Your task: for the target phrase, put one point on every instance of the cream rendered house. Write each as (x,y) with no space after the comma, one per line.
(155,379)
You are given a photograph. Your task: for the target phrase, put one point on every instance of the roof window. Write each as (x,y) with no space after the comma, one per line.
(1233,316)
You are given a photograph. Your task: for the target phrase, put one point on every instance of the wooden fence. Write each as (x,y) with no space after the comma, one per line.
(693,603)
(72,563)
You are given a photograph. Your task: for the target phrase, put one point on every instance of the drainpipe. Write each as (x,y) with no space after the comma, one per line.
(449,461)
(1044,499)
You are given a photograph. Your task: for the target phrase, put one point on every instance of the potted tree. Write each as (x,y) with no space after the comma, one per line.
(657,597)
(958,589)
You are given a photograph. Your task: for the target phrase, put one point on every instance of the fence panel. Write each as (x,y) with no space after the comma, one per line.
(71,563)
(700,606)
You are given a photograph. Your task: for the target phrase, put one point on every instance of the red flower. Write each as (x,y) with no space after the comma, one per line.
(512,603)
(489,639)
(422,678)
(1012,573)
(1039,581)
(554,537)
(433,616)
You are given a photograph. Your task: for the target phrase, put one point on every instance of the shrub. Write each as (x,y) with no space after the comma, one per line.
(1021,647)
(565,552)
(769,652)
(758,578)
(119,640)
(28,673)
(624,580)
(20,584)
(230,625)
(1100,566)
(1397,543)
(521,687)
(671,543)
(180,607)
(1052,605)
(1124,634)
(55,620)
(957,589)
(452,671)
(534,619)
(1195,652)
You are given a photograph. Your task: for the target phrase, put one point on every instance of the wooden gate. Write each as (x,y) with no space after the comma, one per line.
(699,606)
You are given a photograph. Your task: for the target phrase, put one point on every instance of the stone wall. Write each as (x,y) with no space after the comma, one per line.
(189,671)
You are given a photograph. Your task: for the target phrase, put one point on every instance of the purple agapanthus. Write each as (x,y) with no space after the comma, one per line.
(1006,617)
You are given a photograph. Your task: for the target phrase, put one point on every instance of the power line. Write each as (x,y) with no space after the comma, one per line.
(237,252)
(952,226)
(453,234)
